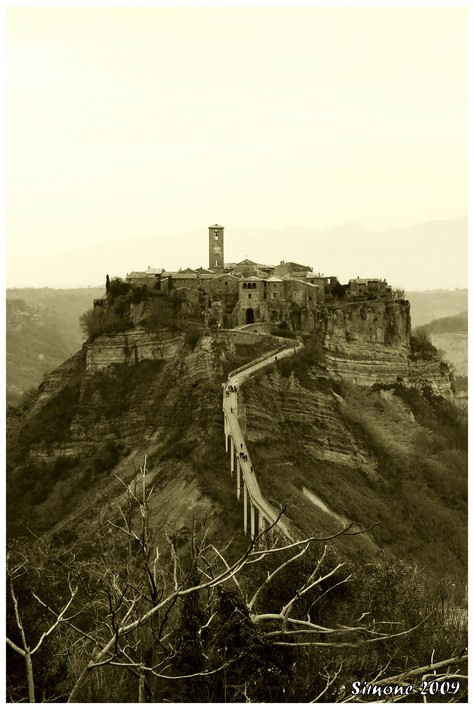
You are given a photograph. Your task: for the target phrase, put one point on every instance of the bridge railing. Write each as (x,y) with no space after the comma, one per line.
(264,357)
(249,477)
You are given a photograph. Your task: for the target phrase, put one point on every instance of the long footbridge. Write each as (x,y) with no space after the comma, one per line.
(258,513)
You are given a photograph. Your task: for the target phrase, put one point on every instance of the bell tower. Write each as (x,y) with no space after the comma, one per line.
(216,248)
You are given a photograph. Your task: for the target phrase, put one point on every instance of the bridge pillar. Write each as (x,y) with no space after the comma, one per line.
(226,434)
(252,521)
(238,479)
(245,508)
(231,455)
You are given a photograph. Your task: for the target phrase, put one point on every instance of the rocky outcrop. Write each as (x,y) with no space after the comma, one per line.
(64,375)
(369,343)
(383,322)
(131,347)
(282,402)
(366,365)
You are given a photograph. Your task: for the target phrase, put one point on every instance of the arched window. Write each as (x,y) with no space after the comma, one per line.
(244,285)
(254,285)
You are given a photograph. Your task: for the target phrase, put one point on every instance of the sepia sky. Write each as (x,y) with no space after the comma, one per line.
(144,123)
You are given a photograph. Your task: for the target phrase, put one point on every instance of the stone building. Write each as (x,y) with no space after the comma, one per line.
(247,292)
(368,288)
(148,278)
(216,248)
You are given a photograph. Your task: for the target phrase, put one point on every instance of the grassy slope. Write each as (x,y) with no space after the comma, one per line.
(170,412)
(419,494)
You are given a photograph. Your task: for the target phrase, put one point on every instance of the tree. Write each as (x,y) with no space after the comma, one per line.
(107,284)
(25,648)
(173,614)
(99,321)
(118,287)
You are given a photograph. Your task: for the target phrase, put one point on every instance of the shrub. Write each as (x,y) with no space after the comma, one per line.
(101,321)
(106,457)
(192,336)
(421,345)
(300,363)
(281,332)
(118,287)
(53,421)
(160,314)
(121,305)
(139,294)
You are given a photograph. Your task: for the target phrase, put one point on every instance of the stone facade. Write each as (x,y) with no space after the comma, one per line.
(249,292)
(216,248)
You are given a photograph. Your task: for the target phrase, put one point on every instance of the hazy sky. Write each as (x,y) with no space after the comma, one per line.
(139,123)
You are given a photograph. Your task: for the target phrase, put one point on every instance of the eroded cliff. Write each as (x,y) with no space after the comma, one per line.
(334,433)
(370,343)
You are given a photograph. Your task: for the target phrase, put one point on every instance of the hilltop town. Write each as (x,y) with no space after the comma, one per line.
(235,294)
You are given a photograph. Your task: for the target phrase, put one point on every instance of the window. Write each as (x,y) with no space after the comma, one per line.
(254,285)
(250,295)
(244,285)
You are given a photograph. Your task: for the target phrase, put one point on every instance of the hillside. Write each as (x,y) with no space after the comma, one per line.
(90,419)
(42,330)
(338,434)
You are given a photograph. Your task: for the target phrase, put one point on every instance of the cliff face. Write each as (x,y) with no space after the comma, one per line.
(131,347)
(315,437)
(378,322)
(369,344)
(100,413)
(329,451)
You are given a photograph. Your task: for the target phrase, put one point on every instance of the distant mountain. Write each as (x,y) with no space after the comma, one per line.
(430,305)
(42,327)
(452,324)
(428,255)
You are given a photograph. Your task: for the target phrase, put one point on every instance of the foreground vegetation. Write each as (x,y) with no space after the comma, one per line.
(126,616)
